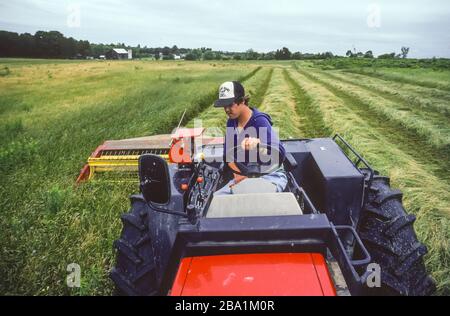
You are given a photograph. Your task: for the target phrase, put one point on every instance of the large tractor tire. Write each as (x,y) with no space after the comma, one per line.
(134,273)
(387,232)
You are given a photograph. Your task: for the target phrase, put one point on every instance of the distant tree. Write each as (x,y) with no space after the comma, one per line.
(83,48)
(175,50)
(168,57)
(349,53)
(237,57)
(405,52)
(190,56)
(326,55)
(251,55)
(9,44)
(166,50)
(269,56)
(26,46)
(283,54)
(48,44)
(368,54)
(297,56)
(387,56)
(208,55)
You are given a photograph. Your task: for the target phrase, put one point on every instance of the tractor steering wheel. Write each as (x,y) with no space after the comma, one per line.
(261,162)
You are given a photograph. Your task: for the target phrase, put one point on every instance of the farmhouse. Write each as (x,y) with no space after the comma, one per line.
(119,53)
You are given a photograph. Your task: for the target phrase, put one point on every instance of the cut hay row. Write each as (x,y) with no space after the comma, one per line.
(435,161)
(311,117)
(425,195)
(428,92)
(409,96)
(417,81)
(280,104)
(433,130)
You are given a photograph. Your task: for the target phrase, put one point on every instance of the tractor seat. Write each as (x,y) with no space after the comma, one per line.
(254,204)
(254,185)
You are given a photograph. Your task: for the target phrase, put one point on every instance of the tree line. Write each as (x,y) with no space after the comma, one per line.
(54,44)
(369,54)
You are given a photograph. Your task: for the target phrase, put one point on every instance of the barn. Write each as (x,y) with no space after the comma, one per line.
(119,53)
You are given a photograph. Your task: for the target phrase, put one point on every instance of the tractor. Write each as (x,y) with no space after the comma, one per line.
(337,229)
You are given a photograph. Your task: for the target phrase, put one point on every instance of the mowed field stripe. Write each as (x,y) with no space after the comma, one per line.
(312,124)
(434,160)
(425,194)
(411,98)
(433,130)
(280,104)
(398,78)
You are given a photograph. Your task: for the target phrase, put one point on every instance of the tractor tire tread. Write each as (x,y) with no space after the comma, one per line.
(135,272)
(387,232)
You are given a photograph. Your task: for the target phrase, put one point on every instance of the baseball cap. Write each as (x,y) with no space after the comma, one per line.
(228,93)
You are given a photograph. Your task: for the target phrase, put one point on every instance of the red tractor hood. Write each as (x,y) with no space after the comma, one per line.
(278,274)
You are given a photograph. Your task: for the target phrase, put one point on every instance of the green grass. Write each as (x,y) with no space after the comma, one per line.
(48,222)
(54,113)
(313,124)
(431,127)
(434,159)
(431,101)
(279,103)
(425,78)
(430,73)
(392,152)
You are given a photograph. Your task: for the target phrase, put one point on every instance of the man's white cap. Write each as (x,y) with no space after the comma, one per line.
(228,93)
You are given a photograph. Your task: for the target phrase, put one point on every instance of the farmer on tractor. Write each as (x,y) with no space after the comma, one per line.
(250,142)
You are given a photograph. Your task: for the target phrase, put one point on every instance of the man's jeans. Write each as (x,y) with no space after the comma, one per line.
(278,178)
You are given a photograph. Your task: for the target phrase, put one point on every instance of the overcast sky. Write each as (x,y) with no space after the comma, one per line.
(237,25)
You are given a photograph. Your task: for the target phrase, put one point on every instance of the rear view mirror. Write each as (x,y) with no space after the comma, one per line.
(154,179)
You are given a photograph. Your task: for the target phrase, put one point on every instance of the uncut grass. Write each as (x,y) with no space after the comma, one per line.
(31,90)
(433,160)
(425,195)
(47,222)
(409,96)
(432,128)
(279,103)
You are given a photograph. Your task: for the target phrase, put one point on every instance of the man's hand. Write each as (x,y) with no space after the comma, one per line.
(250,143)
(237,178)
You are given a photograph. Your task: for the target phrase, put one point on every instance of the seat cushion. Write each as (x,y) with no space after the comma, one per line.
(254,185)
(254,204)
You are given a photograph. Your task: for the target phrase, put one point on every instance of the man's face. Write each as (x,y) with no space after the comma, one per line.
(233,111)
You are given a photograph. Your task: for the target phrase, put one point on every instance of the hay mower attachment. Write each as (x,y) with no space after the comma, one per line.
(122,156)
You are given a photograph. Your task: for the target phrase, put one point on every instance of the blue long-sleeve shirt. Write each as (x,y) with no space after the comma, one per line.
(259,126)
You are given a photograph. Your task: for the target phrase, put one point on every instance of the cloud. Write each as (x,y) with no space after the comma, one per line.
(236,25)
